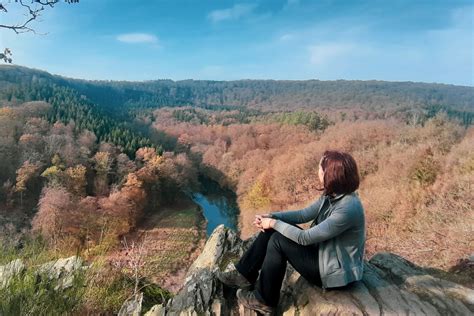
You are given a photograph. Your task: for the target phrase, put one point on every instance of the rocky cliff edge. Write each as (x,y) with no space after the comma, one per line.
(391,286)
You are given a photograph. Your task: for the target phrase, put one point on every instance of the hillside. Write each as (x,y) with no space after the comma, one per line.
(261,94)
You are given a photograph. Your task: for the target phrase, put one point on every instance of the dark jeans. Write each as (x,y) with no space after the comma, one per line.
(269,253)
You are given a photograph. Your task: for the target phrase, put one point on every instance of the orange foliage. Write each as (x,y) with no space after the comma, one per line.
(273,167)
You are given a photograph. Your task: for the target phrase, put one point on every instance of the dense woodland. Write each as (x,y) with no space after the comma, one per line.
(71,170)
(84,162)
(407,99)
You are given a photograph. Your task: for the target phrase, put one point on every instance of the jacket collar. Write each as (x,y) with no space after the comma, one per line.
(336,197)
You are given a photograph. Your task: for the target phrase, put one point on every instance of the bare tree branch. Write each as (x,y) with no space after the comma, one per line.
(33,11)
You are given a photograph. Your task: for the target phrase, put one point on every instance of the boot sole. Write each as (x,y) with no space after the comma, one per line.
(256,309)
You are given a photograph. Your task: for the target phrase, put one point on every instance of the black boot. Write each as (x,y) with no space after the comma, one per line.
(250,301)
(234,279)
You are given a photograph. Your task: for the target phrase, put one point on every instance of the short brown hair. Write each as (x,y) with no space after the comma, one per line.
(340,172)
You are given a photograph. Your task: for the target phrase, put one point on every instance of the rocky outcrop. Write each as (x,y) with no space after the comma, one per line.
(391,286)
(10,270)
(62,271)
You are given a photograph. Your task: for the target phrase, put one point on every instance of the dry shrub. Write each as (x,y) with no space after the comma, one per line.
(444,222)
(54,210)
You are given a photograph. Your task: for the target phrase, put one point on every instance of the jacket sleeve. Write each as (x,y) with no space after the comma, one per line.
(340,220)
(300,216)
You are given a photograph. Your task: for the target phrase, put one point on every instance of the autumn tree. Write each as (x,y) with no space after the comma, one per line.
(31,146)
(10,125)
(60,141)
(36,126)
(76,180)
(55,173)
(150,173)
(54,209)
(89,222)
(102,166)
(124,167)
(87,142)
(24,175)
(257,197)
(123,208)
(177,173)
(149,161)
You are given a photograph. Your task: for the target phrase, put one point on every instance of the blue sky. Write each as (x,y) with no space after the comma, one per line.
(428,41)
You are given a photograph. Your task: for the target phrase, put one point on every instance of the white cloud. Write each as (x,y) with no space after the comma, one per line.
(327,52)
(286,37)
(234,13)
(133,38)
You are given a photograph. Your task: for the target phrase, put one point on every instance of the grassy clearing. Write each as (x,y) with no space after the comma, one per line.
(171,245)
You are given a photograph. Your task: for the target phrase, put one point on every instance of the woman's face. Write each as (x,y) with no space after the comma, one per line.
(321,173)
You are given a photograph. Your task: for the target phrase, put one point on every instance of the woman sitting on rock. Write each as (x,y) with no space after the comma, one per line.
(329,254)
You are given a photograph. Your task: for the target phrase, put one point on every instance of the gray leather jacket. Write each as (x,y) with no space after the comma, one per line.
(339,228)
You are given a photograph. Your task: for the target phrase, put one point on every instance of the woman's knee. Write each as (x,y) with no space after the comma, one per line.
(264,236)
(281,242)
(276,240)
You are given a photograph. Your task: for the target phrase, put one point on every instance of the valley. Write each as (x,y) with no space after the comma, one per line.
(135,176)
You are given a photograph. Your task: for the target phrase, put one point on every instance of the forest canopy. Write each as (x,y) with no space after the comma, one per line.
(261,94)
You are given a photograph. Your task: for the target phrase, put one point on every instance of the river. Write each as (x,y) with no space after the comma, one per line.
(219,206)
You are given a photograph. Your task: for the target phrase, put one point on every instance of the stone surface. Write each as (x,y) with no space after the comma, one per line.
(157,310)
(63,270)
(391,286)
(132,307)
(9,270)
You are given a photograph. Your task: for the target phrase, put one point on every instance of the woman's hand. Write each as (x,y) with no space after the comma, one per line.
(267,223)
(258,220)
(263,222)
